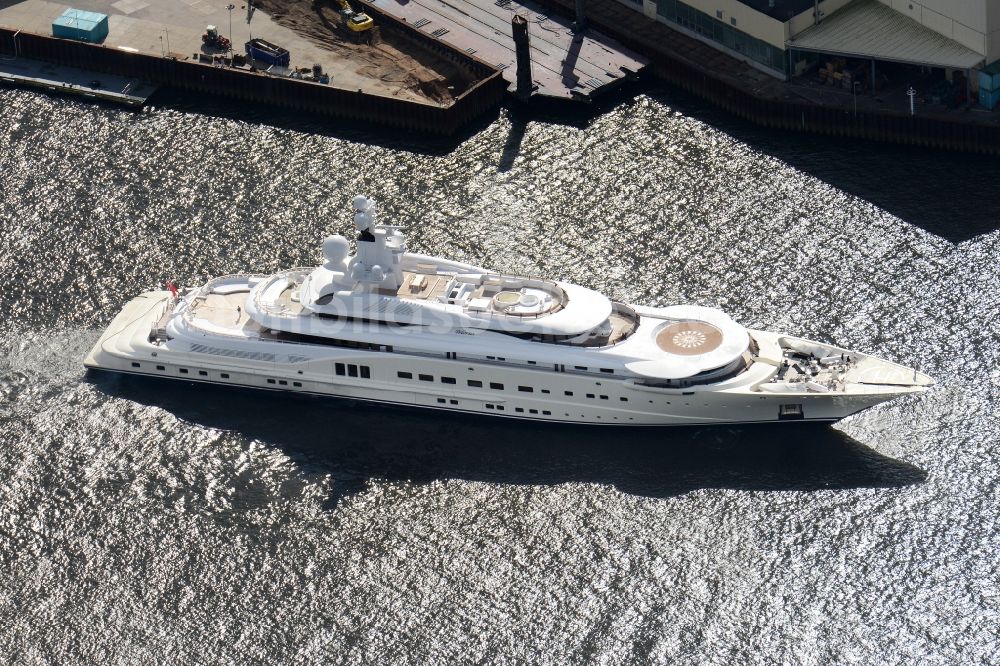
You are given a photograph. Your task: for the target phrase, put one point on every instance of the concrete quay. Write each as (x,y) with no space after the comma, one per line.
(174,27)
(161,45)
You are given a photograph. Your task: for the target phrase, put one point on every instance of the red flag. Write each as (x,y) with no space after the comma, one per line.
(172,288)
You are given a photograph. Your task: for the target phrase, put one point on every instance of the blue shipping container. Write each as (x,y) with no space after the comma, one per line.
(266,52)
(989,77)
(989,98)
(81,25)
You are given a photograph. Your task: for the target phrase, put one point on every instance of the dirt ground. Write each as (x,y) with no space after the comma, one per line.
(391,57)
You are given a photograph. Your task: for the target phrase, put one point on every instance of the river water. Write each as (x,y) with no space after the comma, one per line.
(145,522)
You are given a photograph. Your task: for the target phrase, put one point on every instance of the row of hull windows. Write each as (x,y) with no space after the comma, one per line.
(222,375)
(285,336)
(561,368)
(519,410)
(352,370)
(282,382)
(366,373)
(497,386)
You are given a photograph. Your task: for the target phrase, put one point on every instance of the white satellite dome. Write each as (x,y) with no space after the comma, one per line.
(335,251)
(363,220)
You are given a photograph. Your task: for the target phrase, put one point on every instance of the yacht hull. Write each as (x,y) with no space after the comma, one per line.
(397,378)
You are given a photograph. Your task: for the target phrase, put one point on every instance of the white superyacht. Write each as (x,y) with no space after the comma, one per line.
(395,327)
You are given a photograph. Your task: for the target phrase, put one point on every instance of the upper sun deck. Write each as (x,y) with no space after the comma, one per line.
(484,294)
(361,299)
(220,306)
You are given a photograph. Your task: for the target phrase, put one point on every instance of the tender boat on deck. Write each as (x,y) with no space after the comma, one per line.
(390,326)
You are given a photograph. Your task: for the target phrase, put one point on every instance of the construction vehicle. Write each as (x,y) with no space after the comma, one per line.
(213,39)
(355,21)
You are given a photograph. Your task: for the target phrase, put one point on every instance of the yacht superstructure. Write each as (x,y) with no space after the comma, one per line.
(390,326)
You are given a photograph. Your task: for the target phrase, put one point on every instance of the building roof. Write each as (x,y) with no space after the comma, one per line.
(80,15)
(783,10)
(869,29)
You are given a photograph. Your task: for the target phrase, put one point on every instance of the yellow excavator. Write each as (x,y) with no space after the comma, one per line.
(355,21)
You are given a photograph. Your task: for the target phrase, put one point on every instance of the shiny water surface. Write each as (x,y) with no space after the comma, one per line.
(145,522)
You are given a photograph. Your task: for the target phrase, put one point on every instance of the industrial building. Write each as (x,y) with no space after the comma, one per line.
(786,38)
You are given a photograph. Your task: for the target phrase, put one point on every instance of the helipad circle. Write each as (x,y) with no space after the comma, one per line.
(689,338)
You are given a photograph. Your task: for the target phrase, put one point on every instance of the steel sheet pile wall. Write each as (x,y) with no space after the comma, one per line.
(239,84)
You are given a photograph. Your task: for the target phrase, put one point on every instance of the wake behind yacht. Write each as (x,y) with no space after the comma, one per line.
(390,326)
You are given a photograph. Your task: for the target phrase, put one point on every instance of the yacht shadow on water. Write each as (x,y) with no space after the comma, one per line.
(354,442)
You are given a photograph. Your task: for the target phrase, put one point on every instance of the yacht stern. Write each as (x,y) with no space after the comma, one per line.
(142,314)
